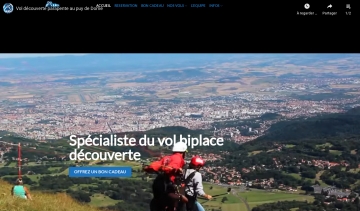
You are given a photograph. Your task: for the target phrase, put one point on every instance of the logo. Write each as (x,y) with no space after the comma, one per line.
(50,4)
(8,8)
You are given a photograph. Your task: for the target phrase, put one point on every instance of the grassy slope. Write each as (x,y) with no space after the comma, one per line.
(254,198)
(63,202)
(41,202)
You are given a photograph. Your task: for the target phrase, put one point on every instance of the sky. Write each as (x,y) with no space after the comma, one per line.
(23,55)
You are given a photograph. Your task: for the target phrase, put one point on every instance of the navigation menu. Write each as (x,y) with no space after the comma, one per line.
(168,5)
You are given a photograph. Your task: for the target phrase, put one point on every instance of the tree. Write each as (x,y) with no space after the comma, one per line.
(224,199)
(82,196)
(309,174)
(352,195)
(307,186)
(357,202)
(293,169)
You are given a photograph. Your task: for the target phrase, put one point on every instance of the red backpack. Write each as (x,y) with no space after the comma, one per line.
(158,166)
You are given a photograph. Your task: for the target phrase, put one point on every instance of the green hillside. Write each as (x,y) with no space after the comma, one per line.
(324,126)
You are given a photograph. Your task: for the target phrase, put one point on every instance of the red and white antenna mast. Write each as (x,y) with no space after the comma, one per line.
(19,160)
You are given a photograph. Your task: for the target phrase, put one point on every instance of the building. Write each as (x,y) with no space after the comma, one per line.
(317,189)
(330,191)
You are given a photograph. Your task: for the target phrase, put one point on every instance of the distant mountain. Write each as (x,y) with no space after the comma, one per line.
(323,126)
(91,63)
(173,75)
(105,62)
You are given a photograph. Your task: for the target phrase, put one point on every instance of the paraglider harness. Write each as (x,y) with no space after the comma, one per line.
(163,187)
(190,205)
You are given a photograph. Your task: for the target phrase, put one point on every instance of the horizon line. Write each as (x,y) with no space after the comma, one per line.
(35,55)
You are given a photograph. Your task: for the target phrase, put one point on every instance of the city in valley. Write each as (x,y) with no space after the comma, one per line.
(58,103)
(290,124)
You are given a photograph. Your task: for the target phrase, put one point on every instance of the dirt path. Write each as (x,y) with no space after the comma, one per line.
(94,162)
(243,200)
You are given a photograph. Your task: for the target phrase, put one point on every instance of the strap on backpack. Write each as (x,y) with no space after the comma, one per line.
(190,177)
(192,200)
